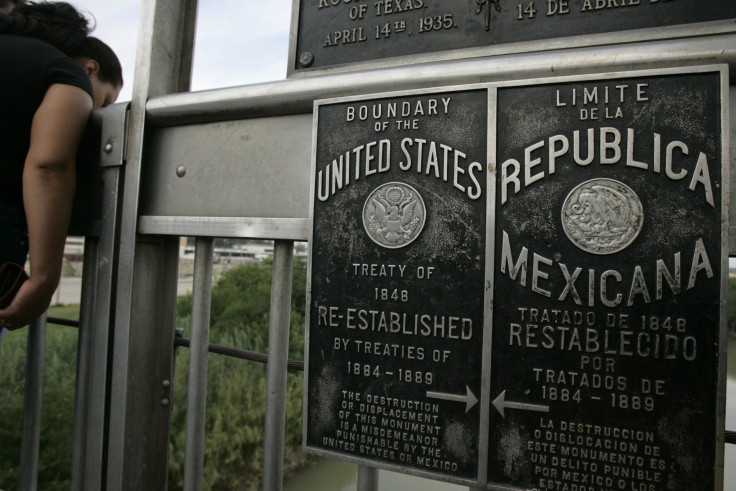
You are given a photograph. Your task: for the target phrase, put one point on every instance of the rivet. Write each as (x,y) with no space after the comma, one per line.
(181,171)
(166,383)
(306,59)
(108,147)
(165,401)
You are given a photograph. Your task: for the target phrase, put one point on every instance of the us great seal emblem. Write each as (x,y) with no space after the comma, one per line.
(602,216)
(394,215)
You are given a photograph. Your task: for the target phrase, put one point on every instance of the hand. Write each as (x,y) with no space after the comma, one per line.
(29,303)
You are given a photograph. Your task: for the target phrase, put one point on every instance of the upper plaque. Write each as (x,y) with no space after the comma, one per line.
(336,32)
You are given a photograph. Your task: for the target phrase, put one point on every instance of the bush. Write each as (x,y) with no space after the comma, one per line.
(235,398)
(236,389)
(57,408)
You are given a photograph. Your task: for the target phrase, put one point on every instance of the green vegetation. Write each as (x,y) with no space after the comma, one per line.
(57,410)
(236,389)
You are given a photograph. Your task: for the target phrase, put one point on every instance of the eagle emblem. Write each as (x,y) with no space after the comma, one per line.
(394,215)
(602,216)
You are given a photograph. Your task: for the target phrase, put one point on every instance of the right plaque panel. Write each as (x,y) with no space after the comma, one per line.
(608,278)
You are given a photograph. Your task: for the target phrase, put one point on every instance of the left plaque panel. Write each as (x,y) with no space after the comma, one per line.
(396,298)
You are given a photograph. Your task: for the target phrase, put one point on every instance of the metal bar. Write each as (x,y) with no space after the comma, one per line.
(62,322)
(278,350)
(122,320)
(100,254)
(163,66)
(197,386)
(267,228)
(731,437)
(296,96)
(85,370)
(240,353)
(28,475)
(367,478)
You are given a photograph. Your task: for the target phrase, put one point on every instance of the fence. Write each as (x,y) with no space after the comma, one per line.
(151,152)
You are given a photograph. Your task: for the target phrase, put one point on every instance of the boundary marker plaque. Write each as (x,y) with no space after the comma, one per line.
(611,262)
(397,281)
(553,318)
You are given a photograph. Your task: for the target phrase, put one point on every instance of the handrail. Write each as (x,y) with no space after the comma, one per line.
(295,96)
(219,349)
(59,321)
(238,353)
(731,437)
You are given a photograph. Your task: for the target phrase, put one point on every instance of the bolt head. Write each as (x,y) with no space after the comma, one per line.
(306,59)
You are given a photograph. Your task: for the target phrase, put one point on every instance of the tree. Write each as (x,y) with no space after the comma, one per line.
(236,389)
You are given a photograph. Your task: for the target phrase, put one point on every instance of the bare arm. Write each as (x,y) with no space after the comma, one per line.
(48,193)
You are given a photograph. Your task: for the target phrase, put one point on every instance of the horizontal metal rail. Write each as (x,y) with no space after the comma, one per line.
(731,437)
(59,321)
(296,96)
(237,352)
(213,348)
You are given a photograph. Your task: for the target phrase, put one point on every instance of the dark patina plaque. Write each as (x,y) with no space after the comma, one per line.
(396,270)
(337,32)
(609,273)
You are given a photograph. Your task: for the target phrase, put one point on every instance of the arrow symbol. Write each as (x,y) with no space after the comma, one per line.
(469,398)
(501,403)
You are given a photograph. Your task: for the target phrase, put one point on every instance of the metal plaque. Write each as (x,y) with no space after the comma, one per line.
(339,32)
(396,301)
(610,266)
(551,320)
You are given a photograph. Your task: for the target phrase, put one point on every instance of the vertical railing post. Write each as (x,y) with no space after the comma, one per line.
(197,385)
(278,356)
(100,259)
(82,460)
(145,287)
(28,476)
(367,478)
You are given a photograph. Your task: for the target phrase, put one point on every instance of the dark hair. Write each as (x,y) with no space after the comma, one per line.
(56,23)
(110,69)
(65,28)
(4,4)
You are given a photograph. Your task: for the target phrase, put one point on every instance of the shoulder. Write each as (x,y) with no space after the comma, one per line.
(34,48)
(45,60)
(64,70)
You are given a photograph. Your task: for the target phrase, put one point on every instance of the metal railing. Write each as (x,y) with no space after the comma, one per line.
(126,330)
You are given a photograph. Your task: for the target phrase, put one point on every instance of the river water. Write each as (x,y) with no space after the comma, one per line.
(333,475)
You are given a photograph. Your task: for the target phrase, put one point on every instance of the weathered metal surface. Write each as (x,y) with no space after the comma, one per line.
(231,169)
(337,32)
(600,253)
(609,255)
(396,304)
